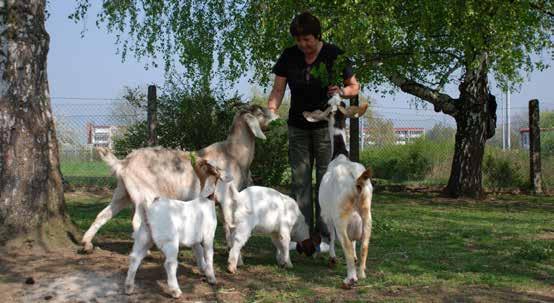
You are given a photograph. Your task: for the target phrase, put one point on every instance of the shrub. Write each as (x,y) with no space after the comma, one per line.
(502,170)
(193,122)
(271,157)
(400,162)
(184,121)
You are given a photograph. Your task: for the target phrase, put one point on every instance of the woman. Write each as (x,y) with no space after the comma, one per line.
(309,142)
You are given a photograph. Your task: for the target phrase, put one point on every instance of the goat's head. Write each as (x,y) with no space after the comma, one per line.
(309,246)
(306,243)
(213,180)
(257,118)
(336,112)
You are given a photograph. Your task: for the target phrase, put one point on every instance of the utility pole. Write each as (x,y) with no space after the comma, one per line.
(503,114)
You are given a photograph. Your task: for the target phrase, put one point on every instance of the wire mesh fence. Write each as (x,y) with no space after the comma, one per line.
(401,145)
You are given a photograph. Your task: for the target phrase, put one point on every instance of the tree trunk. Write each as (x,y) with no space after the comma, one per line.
(476,123)
(32,209)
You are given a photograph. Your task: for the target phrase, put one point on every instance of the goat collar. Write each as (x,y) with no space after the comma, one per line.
(192,156)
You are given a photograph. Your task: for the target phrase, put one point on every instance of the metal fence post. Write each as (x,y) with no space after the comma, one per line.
(354,134)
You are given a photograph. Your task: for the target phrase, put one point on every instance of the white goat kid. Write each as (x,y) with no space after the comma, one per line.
(171,223)
(264,210)
(345,192)
(147,173)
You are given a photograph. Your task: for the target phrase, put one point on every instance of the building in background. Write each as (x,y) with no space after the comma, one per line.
(101,135)
(524,136)
(408,134)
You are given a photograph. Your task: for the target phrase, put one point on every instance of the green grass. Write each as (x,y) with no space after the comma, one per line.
(423,248)
(80,173)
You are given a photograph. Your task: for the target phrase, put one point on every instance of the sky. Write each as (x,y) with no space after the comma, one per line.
(87,72)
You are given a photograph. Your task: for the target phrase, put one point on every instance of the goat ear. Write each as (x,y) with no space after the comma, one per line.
(209,187)
(318,115)
(254,125)
(354,111)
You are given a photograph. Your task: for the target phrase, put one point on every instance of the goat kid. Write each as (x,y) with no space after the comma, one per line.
(265,210)
(345,192)
(170,223)
(147,173)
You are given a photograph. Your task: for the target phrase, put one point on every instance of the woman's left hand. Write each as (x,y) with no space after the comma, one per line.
(333,89)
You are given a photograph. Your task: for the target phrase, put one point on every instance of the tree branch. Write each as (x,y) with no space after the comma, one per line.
(441,102)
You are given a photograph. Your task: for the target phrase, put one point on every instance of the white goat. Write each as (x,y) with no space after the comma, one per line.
(345,192)
(147,173)
(265,210)
(169,223)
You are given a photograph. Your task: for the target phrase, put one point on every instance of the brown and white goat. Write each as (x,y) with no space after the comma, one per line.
(345,192)
(147,173)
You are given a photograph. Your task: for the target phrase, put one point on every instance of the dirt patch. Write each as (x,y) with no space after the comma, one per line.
(99,277)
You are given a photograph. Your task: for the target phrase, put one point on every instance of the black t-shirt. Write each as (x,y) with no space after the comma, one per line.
(307,93)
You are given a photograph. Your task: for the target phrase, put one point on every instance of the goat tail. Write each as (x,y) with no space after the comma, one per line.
(108,157)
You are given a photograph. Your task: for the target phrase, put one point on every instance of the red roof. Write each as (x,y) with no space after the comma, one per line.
(526,129)
(409,128)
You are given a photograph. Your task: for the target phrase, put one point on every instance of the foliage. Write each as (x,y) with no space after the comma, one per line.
(332,77)
(547,135)
(503,170)
(380,130)
(400,162)
(271,156)
(424,40)
(133,108)
(441,133)
(185,121)
(270,165)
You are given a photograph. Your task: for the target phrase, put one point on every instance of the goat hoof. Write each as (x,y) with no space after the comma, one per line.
(332,263)
(232,269)
(88,248)
(211,280)
(361,274)
(129,289)
(348,284)
(175,293)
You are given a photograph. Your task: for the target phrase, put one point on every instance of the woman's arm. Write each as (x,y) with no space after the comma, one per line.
(277,93)
(351,88)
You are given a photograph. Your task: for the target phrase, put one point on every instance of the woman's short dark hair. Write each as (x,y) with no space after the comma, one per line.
(305,24)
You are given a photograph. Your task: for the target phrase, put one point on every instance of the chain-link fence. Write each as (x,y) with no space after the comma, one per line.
(401,145)
(83,125)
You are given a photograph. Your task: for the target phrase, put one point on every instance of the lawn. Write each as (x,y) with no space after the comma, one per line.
(423,249)
(82,173)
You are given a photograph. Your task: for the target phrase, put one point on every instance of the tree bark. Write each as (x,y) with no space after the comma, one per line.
(32,209)
(475,114)
(476,123)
